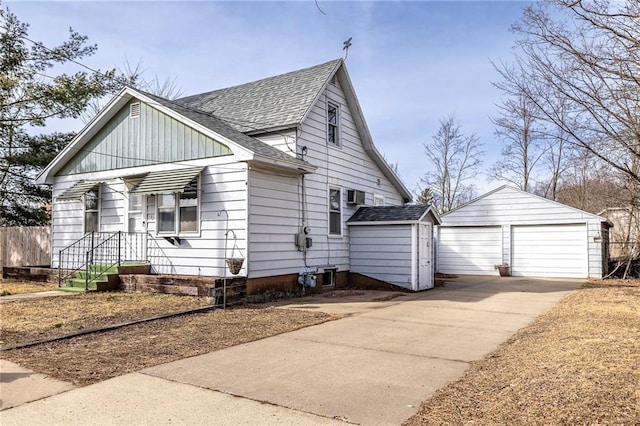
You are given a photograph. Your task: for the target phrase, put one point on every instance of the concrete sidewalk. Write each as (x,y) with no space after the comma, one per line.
(373,367)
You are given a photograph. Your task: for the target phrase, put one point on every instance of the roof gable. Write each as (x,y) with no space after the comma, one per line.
(244,147)
(153,137)
(508,200)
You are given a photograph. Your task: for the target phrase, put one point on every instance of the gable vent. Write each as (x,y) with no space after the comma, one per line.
(134,110)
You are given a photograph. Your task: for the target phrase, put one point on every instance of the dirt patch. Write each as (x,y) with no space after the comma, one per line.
(342,293)
(34,319)
(576,364)
(388,297)
(21,287)
(92,358)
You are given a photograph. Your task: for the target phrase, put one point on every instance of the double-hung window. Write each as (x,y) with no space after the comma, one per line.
(335,211)
(92,209)
(178,212)
(333,124)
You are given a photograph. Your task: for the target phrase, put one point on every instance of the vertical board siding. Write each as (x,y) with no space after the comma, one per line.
(151,138)
(382,252)
(25,246)
(509,208)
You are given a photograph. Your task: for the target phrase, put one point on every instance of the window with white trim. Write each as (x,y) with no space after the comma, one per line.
(335,211)
(178,213)
(92,210)
(333,124)
(378,200)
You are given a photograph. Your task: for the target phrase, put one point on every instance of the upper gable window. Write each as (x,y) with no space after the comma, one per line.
(333,124)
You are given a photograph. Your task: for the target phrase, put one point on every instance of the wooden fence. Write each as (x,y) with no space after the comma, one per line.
(25,246)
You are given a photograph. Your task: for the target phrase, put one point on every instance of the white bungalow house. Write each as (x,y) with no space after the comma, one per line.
(277,166)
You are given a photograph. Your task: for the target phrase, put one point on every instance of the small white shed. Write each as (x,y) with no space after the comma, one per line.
(394,244)
(535,236)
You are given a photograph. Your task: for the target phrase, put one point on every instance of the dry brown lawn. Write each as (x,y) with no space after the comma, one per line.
(98,356)
(20,287)
(34,319)
(579,363)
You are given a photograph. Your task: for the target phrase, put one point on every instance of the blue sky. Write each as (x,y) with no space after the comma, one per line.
(412,63)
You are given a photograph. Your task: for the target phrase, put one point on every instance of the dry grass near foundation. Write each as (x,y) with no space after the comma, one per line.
(27,320)
(576,364)
(20,287)
(92,358)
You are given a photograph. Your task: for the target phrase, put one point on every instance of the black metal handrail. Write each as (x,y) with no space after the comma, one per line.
(72,258)
(97,252)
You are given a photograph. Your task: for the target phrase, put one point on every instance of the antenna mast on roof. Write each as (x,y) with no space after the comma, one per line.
(346,46)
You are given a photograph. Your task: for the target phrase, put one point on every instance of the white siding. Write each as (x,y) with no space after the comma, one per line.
(223,186)
(383,252)
(276,200)
(508,207)
(274,218)
(549,251)
(469,250)
(285,141)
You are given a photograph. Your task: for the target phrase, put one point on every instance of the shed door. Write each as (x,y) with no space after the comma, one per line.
(425,265)
(473,250)
(549,251)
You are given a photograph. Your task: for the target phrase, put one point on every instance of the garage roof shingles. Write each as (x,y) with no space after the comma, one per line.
(389,214)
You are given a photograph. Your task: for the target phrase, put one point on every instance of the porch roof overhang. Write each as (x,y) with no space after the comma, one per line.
(166,181)
(76,192)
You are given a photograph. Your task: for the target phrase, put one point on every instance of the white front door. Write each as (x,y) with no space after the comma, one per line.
(425,265)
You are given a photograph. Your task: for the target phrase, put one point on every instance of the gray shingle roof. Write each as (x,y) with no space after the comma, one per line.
(223,129)
(388,213)
(268,103)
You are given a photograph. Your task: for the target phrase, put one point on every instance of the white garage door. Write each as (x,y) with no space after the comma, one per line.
(549,251)
(469,250)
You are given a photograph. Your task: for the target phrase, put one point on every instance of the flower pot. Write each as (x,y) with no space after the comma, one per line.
(505,270)
(235,264)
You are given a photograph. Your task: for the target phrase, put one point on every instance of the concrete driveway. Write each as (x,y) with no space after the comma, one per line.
(372,367)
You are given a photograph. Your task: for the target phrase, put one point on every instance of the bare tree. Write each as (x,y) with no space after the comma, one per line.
(454,159)
(518,128)
(134,76)
(585,56)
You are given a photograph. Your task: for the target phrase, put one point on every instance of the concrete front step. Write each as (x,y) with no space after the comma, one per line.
(103,278)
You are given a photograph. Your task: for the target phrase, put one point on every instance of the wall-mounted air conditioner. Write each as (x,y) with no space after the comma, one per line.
(355,196)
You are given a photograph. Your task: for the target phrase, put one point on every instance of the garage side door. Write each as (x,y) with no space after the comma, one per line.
(549,251)
(469,250)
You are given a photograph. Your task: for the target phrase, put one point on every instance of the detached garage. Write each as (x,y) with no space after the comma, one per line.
(536,237)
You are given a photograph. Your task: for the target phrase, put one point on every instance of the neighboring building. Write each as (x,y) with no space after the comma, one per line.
(281,163)
(624,237)
(535,236)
